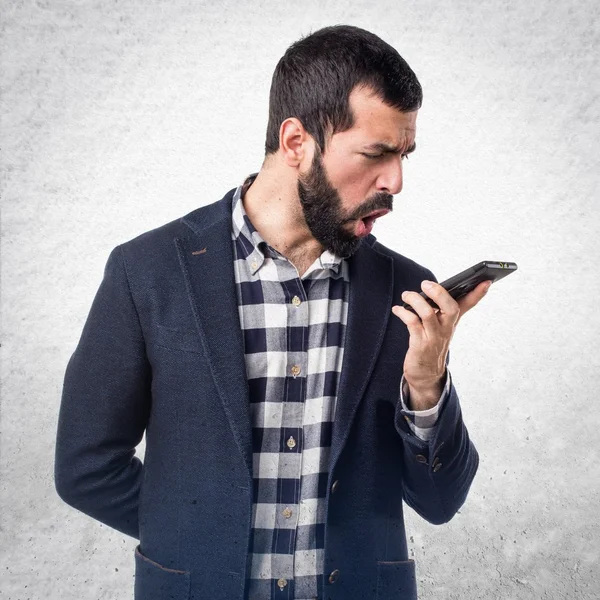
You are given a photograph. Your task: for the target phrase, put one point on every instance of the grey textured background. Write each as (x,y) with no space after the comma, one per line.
(120,116)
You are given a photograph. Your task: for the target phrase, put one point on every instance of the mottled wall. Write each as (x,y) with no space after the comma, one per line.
(120,116)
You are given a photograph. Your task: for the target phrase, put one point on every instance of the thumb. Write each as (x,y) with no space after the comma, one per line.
(474,296)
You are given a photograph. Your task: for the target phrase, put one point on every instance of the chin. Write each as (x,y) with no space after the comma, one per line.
(345,248)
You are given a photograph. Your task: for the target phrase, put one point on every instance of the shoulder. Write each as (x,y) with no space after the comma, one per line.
(153,254)
(158,242)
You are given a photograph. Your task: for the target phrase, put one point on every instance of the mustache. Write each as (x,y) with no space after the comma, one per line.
(375,202)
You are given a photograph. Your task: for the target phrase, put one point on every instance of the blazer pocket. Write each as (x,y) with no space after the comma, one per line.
(155,582)
(174,338)
(396,580)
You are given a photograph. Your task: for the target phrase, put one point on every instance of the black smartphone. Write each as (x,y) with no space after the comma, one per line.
(460,285)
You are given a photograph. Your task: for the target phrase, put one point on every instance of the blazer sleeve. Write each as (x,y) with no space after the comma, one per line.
(438,472)
(105,407)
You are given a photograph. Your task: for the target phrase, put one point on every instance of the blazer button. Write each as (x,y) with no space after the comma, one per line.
(420,458)
(334,576)
(335,485)
(437,467)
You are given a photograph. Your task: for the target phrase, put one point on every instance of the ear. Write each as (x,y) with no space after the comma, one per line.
(295,144)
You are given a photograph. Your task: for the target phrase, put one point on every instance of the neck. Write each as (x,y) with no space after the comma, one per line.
(273,206)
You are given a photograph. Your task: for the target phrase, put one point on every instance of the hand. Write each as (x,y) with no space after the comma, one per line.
(430,334)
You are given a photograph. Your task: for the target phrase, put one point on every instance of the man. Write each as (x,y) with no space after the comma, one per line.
(289,404)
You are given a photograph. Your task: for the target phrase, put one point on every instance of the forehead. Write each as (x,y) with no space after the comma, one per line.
(375,121)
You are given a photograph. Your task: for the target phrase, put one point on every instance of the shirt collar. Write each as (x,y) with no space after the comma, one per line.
(256,249)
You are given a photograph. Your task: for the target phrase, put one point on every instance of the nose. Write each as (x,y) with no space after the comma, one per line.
(390,179)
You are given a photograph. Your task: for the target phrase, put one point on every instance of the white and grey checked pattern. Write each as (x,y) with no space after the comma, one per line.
(421,422)
(293,331)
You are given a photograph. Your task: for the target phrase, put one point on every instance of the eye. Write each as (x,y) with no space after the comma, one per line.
(372,156)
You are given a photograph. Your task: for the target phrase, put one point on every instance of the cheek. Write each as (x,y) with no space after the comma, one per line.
(345,168)
(351,177)
(355,188)
(351,180)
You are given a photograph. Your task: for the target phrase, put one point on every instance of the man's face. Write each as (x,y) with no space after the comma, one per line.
(346,189)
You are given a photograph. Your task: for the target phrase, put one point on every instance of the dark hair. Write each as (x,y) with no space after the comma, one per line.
(314,78)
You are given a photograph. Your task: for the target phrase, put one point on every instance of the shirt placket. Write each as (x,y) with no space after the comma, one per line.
(290,473)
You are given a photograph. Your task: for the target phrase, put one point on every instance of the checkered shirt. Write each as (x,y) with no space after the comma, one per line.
(293,329)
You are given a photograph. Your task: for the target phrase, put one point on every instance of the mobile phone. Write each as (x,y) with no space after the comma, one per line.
(460,285)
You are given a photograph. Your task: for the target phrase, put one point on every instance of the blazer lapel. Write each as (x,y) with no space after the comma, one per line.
(207,263)
(370,307)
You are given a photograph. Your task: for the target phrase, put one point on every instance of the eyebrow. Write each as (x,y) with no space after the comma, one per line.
(381,147)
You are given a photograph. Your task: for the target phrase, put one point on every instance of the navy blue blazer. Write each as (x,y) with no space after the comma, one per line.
(162,352)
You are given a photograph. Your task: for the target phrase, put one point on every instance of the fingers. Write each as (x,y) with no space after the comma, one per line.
(422,324)
(447,315)
(448,305)
(473,298)
(450,310)
(413,322)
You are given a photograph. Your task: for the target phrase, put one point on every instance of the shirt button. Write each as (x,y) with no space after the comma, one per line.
(296,301)
(296,371)
(334,576)
(282,583)
(254,265)
(291,443)
(287,513)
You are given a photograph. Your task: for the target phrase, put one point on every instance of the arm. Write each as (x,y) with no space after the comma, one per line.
(104,408)
(438,472)
(422,421)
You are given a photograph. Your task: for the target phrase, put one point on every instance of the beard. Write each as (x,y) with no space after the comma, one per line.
(323,213)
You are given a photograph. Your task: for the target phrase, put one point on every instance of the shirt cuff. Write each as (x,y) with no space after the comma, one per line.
(422,422)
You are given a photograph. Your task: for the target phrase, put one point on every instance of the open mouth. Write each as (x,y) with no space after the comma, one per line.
(370,218)
(377,213)
(365,224)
